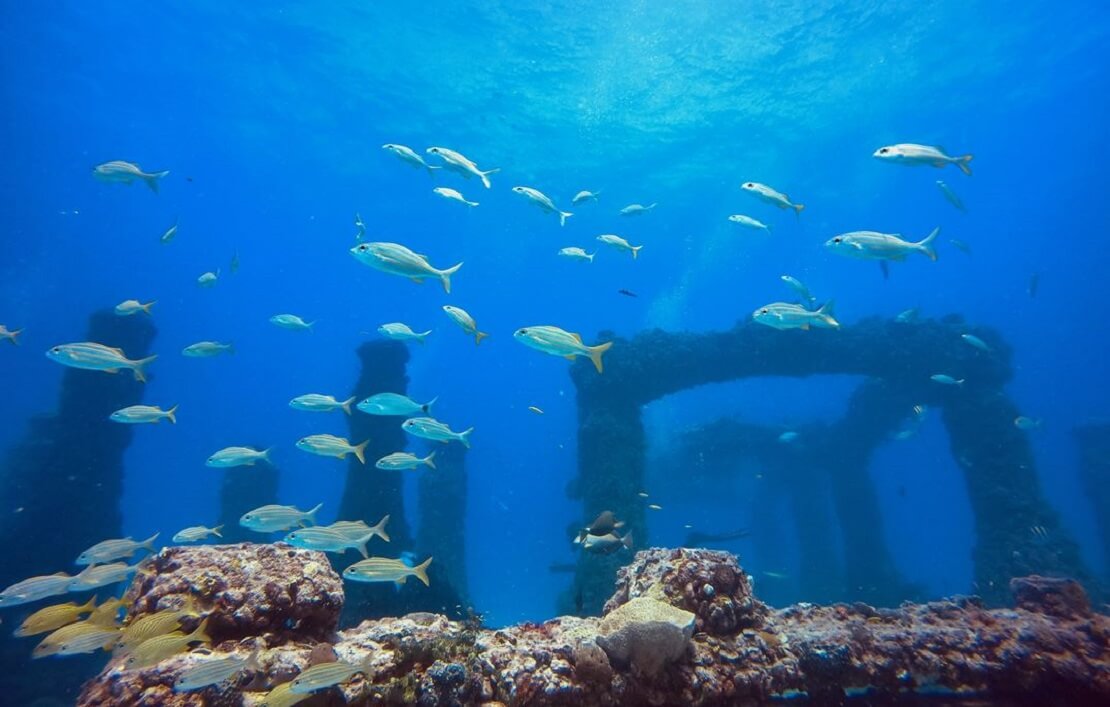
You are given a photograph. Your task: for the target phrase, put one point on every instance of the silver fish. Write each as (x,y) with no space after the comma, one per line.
(395,404)
(98,357)
(396,259)
(271,518)
(35,588)
(430,428)
(872,245)
(585,195)
(558,342)
(120,172)
(402,332)
(914,155)
(399,461)
(782,315)
(197,532)
(951,196)
(384,569)
(409,157)
(453,195)
(109,550)
(620,244)
(326,445)
(291,322)
(214,671)
(139,414)
(95,576)
(466,322)
(358,528)
(229,457)
(327,539)
(637,209)
(315,402)
(576,253)
(544,202)
(322,676)
(771,196)
(946,379)
(207,349)
(455,162)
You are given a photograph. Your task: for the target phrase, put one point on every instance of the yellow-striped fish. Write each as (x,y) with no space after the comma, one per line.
(51,618)
(384,569)
(7,334)
(140,414)
(98,357)
(558,342)
(466,322)
(214,671)
(133,306)
(157,624)
(157,649)
(332,446)
(322,676)
(281,696)
(80,637)
(121,172)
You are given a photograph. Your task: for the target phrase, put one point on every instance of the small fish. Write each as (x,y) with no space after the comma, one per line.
(606,544)
(229,457)
(908,153)
(280,696)
(323,676)
(559,342)
(291,322)
(98,357)
(315,402)
(132,306)
(951,196)
(120,172)
(209,279)
(170,233)
(919,412)
(196,533)
(326,445)
(455,162)
(409,157)
(771,196)
(1034,285)
(960,245)
(95,576)
(430,428)
(585,196)
(1027,423)
(358,528)
(575,253)
(946,379)
(402,332)
(620,244)
(655,507)
(976,342)
(207,349)
(272,518)
(627,293)
(788,437)
(1039,530)
(235,262)
(159,623)
(535,409)
(466,322)
(907,316)
(396,259)
(76,638)
(383,569)
(360,226)
(395,404)
(139,414)
(775,575)
(544,202)
(155,650)
(642,494)
(872,245)
(10,335)
(453,195)
(109,550)
(636,209)
(214,671)
(781,315)
(749,222)
(401,461)
(51,618)
(795,284)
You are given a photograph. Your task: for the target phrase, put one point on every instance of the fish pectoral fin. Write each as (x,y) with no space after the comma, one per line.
(569,357)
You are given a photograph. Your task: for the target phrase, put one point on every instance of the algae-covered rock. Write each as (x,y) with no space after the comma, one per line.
(647,633)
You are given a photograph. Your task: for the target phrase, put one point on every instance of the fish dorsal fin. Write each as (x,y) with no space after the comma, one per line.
(115,350)
(577,337)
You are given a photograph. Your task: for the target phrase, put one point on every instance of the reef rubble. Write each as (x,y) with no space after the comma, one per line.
(722,645)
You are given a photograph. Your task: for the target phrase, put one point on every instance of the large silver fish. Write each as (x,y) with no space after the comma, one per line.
(396,259)
(98,357)
(120,172)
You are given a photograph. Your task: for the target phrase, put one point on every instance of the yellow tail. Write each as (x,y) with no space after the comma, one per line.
(421,571)
(964,164)
(360,451)
(171,414)
(139,366)
(478,336)
(380,529)
(595,354)
(201,634)
(347,405)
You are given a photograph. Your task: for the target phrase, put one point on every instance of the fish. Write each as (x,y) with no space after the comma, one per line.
(170,233)
(138,414)
(209,279)
(132,306)
(120,172)
(575,253)
(585,195)
(384,569)
(207,349)
(214,671)
(919,412)
(535,409)
(642,494)
(195,533)
(10,335)
(322,676)
(327,540)
(291,322)
(637,209)
(272,518)
(399,461)
(976,342)
(1039,530)
(280,696)
(749,222)
(951,196)
(795,284)
(788,437)
(155,650)
(402,332)
(466,322)
(781,315)
(605,523)
(315,402)
(107,614)
(229,457)
(409,157)
(872,245)
(360,226)
(1027,423)
(620,244)
(655,507)
(907,316)
(98,357)
(109,550)
(946,379)
(913,155)
(326,445)
(396,259)
(544,202)
(95,576)
(606,544)
(395,404)
(1034,285)
(775,575)
(430,428)
(627,293)
(76,638)
(160,623)
(455,162)
(559,342)
(771,196)
(358,528)
(453,195)
(960,245)
(697,538)
(53,617)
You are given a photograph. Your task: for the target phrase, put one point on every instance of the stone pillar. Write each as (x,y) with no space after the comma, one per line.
(442,530)
(1094,460)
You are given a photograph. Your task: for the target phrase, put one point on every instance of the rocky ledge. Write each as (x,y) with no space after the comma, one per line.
(683,627)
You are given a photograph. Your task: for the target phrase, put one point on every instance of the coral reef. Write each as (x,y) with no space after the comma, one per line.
(726,647)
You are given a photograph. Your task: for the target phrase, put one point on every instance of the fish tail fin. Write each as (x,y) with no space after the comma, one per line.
(926,244)
(13,336)
(171,414)
(798,209)
(217,529)
(432,169)
(964,163)
(464,437)
(146,307)
(379,529)
(430,460)
(152,179)
(826,313)
(420,337)
(627,540)
(960,382)
(188,606)
(311,515)
(445,276)
(266,455)
(87,606)
(478,336)
(360,451)
(471,203)
(563,216)
(148,544)
(590,256)
(421,571)
(347,404)
(427,407)
(360,543)
(636,251)
(485,176)
(138,370)
(595,354)
(201,632)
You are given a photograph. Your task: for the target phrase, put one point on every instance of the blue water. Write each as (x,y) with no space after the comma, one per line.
(277,115)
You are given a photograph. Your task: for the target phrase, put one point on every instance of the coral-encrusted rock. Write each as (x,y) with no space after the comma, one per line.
(245,589)
(709,583)
(1050,595)
(647,633)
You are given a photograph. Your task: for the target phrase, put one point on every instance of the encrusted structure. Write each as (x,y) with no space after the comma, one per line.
(710,642)
(1094,470)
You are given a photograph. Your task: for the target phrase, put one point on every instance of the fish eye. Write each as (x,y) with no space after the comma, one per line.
(57,349)
(837,239)
(884,150)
